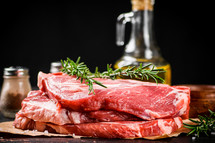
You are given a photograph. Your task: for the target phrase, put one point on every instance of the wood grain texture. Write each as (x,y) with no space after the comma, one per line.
(202,99)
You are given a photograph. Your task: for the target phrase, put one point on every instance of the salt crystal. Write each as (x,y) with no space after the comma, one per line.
(193,138)
(46,132)
(33,131)
(25,131)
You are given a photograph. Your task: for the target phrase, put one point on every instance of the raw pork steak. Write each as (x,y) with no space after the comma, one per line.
(143,99)
(39,107)
(123,129)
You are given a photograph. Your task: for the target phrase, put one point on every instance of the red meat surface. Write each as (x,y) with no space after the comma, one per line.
(39,107)
(145,100)
(125,109)
(122,129)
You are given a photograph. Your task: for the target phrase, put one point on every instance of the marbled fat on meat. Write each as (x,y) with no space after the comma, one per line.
(145,100)
(39,107)
(122,129)
(125,109)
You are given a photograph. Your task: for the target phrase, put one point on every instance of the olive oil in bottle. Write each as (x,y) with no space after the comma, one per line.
(142,47)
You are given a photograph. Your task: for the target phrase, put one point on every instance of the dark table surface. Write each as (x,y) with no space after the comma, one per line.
(183,138)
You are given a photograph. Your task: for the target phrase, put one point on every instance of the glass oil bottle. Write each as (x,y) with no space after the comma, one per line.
(142,47)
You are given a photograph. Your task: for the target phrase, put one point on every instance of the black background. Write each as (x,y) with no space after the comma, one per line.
(36,34)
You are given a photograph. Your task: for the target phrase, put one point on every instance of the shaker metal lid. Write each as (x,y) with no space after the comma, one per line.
(15,71)
(55,67)
(56,64)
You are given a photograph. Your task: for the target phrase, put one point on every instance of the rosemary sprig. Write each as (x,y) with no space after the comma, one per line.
(141,73)
(204,125)
(83,73)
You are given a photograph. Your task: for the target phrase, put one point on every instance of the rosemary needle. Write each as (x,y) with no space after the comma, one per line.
(205,125)
(83,73)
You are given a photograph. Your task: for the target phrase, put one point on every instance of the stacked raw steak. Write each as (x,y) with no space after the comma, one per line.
(125,109)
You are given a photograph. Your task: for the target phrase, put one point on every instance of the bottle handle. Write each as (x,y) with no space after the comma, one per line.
(120,27)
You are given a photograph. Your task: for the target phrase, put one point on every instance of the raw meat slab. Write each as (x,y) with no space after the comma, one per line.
(39,107)
(145,100)
(123,129)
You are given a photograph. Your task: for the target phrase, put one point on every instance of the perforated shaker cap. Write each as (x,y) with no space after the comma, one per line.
(55,67)
(16,71)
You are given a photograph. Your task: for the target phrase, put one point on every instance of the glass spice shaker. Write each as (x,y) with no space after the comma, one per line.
(15,88)
(55,67)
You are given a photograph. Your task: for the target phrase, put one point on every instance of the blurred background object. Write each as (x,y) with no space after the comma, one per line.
(142,46)
(202,99)
(15,88)
(38,33)
(55,67)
